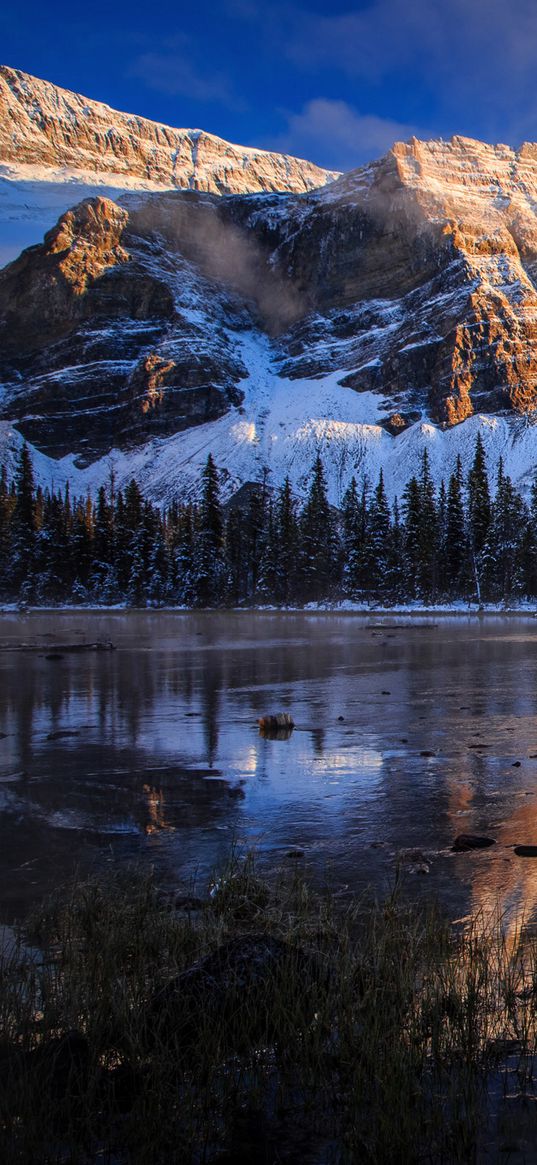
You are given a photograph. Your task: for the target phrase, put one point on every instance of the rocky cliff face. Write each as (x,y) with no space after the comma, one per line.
(96,351)
(408,285)
(43,126)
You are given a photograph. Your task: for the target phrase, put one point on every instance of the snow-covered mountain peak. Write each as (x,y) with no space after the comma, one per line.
(42,125)
(392,309)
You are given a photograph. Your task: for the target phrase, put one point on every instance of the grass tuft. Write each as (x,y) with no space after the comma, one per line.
(264,1024)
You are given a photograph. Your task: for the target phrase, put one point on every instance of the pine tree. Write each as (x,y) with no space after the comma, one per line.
(502,554)
(7,507)
(24,527)
(528,547)
(378,539)
(412,527)
(354,533)
(441,539)
(208,574)
(24,489)
(236,569)
(428,535)
(286,549)
(182,557)
(479,513)
(82,547)
(268,569)
(103,580)
(395,572)
(255,532)
(456,545)
(319,566)
(54,567)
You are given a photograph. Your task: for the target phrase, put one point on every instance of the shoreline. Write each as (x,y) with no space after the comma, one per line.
(442,610)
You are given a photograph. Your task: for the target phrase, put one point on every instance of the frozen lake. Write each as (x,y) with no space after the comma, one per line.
(409,731)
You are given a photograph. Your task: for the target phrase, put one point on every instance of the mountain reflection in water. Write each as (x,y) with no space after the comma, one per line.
(406,734)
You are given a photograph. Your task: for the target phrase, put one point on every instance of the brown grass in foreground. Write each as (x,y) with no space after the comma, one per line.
(265,1024)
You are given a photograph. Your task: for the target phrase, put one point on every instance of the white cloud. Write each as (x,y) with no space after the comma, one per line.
(335,135)
(461,51)
(472,63)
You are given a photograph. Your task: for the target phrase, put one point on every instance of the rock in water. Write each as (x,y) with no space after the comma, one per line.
(277,727)
(467,841)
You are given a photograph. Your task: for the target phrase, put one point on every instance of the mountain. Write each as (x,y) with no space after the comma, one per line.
(57,147)
(394,308)
(44,126)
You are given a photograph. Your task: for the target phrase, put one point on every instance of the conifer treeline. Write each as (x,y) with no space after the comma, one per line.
(462,540)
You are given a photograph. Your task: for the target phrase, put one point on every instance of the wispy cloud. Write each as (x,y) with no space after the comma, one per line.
(337,136)
(389,33)
(171,68)
(470,63)
(460,49)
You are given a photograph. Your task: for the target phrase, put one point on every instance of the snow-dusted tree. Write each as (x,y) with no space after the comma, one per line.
(7,507)
(479,513)
(82,546)
(23,540)
(208,569)
(283,547)
(103,579)
(502,552)
(428,535)
(182,539)
(354,519)
(528,547)
(456,543)
(395,572)
(235,559)
(54,565)
(319,547)
(411,502)
(378,539)
(255,521)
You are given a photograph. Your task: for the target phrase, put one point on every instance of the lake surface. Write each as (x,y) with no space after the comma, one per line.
(168,767)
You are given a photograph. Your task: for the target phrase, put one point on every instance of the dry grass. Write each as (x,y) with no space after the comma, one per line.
(370,1034)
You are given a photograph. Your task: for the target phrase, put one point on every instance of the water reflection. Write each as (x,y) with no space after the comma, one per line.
(404,738)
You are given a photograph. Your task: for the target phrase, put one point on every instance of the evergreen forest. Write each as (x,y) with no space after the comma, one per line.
(472,538)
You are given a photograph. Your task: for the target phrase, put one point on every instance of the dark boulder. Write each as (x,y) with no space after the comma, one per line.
(234,989)
(467,841)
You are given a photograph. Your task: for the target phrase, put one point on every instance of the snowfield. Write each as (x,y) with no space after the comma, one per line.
(32,198)
(281,426)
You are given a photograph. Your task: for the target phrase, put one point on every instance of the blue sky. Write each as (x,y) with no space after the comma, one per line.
(334,83)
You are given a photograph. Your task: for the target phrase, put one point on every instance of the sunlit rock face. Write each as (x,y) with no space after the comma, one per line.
(411,278)
(95,349)
(42,125)
(422,267)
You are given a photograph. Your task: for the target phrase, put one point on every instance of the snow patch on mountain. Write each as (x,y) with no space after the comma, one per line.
(281,426)
(57,147)
(32,198)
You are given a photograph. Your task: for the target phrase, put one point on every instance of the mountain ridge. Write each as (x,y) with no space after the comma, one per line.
(391,309)
(42,124)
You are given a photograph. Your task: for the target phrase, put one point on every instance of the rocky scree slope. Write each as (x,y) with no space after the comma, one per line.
(407,287)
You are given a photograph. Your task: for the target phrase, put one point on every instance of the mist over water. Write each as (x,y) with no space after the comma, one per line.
(408,732)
